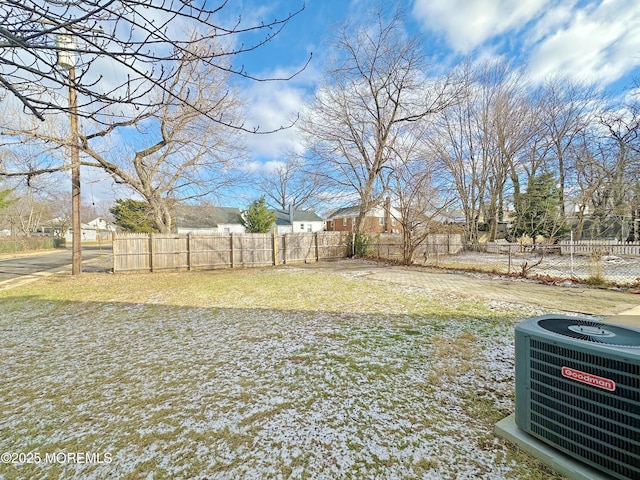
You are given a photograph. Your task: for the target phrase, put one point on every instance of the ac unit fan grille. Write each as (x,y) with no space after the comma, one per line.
(600,427)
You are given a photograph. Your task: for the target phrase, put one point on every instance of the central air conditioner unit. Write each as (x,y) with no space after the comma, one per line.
(578,390)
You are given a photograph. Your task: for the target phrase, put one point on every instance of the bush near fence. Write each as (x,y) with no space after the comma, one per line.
(27,244)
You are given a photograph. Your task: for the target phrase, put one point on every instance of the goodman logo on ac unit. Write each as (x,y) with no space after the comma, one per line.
(589,379)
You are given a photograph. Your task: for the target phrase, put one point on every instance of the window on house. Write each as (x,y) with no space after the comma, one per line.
(381,221)
(302,227)
(394,222)
(344,222)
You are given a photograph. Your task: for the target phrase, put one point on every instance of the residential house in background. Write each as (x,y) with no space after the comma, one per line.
(297,221)
(101,225)
(380,219)
(206,219)
(56,227)
(97,230)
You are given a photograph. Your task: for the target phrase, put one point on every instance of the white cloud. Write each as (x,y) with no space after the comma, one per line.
(255,166)
(597,43)
(277,104)
(468,24)
(273,108)
(553,19)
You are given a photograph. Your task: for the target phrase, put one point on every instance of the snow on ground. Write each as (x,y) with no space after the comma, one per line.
(175,392)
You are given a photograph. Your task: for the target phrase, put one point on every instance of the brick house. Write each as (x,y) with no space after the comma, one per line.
(381,219)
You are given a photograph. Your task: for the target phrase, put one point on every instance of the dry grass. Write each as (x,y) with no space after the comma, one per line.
(274,373)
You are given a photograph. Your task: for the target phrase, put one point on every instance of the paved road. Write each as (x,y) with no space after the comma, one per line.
(21,266)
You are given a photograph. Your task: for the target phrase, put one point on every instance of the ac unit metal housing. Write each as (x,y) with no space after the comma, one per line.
(578,390)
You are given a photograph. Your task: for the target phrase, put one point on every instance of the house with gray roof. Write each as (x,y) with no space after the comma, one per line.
(297,221)
(206,219)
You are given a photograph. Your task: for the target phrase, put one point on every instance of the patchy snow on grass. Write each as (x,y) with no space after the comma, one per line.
(235,392)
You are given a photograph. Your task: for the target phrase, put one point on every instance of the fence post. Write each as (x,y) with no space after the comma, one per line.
(231,248)
(274,245)
(509,267)
(151,252)
(114,253)
(571,253)
(315,237)
(189,251)
(284,248)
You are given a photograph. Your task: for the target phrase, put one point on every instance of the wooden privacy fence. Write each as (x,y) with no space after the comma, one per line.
(155,251)
(389,246)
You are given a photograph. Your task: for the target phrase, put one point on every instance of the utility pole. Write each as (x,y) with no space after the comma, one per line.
(76,242)
(66,59)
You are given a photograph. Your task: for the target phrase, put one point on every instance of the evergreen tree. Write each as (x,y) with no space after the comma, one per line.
(133,216)
(5,201)
(538,209)
(257,218)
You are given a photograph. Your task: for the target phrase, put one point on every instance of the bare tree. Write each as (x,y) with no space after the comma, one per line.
(459,141)
(374,88)
(58,211)
(141,43)
(589,178)
(606,183)
(615,201)
(508,123)
(290,183)
(565,111)
(26,213)
(420,191)
(484,139)
(167,153)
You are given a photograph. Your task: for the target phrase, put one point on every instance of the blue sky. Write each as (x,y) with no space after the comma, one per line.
(596,41)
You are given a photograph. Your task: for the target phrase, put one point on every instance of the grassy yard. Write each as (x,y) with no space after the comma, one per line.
(265,373)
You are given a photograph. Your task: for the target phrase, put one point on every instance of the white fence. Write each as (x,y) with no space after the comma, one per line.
(568,247)
(599,247)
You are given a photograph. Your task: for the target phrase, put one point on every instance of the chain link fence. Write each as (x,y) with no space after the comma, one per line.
(594,262)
